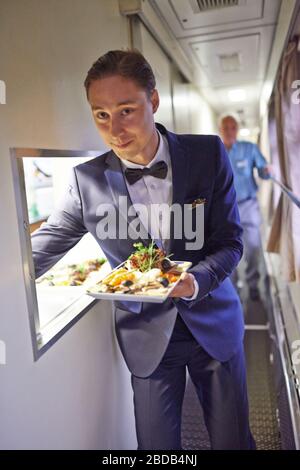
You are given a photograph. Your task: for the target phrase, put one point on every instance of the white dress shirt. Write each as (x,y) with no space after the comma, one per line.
(152,192)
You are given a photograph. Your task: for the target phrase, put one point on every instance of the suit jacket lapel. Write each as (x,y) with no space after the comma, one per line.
(180,164)
(180,168)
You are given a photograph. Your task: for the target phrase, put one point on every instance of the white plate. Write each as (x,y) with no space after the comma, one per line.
(142,297)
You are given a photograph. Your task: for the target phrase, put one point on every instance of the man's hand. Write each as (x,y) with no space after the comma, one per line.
(185,287)
(268,170)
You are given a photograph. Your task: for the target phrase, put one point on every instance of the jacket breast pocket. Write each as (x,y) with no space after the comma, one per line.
(200,197)
(242,166)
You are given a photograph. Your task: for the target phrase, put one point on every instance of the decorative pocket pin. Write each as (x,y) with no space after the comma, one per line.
(197,202)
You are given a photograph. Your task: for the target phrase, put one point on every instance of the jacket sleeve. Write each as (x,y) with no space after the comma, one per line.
(223,243)
(63,229)
(260,162)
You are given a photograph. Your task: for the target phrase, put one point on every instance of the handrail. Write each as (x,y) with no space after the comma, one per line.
(287,191)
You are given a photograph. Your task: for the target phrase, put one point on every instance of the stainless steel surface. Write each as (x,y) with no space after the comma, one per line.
(286,327)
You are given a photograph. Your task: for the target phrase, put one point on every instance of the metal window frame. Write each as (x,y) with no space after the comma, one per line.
(61,324)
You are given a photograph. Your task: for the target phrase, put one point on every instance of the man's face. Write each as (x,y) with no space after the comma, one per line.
(123,114)
(229,130)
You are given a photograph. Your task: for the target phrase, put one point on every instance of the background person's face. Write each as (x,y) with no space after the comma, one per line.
(229,130)
(123,114)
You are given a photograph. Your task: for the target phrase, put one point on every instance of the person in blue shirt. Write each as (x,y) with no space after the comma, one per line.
(244,158)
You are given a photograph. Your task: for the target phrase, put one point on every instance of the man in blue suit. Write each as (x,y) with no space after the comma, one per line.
(201,327)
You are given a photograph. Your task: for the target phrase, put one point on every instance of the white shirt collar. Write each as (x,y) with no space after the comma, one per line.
(161,155)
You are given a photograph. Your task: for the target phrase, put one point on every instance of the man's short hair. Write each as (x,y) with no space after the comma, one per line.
(228,116)
(130,64)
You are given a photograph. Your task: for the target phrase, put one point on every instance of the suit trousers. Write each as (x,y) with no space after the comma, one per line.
(250,219)
(221,389)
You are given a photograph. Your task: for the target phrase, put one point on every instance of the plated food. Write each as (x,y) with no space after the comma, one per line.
(147,273)
(72,274)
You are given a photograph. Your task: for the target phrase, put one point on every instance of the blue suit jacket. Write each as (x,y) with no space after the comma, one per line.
(201,169)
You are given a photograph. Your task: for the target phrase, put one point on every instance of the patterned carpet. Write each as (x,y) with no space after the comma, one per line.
(261,390)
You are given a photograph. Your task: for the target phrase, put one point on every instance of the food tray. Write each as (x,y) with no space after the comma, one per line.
(150,296)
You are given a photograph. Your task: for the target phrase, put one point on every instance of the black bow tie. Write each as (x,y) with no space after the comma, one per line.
(159,170)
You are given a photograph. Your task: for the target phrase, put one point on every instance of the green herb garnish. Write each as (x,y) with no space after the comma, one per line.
(146,257)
